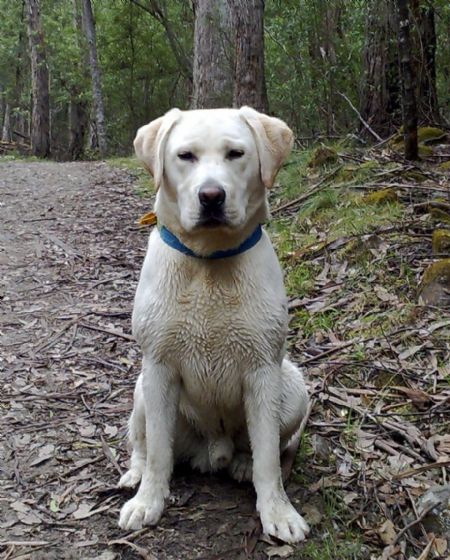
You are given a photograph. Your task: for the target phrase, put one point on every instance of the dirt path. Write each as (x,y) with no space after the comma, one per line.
(70,254)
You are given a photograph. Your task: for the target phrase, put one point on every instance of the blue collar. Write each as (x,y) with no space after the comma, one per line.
(173,241)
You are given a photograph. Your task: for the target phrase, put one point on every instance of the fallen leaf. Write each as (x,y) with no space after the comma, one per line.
(110,431)
(440,546)
(387,532)
(46,452)
(409,352)
(312,514)
(106,555)
(19,506)
(148,219)
(82,511)
(279,551)
(350,497)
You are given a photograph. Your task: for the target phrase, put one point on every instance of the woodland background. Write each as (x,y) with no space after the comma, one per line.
(97,70)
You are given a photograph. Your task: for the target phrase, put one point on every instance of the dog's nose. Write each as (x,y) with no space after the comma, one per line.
(211,196)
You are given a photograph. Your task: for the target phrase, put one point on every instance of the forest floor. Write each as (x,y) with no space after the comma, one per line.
(372,471)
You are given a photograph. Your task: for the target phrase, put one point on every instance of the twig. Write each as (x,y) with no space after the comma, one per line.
(374,134)
(106,280)
(114,332)
(313,190)
(141,551)
(426,550)
(24,543)
(330,351)
(413,523)
(108,454)
(423,468)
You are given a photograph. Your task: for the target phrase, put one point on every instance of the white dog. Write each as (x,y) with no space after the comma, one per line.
(210,315)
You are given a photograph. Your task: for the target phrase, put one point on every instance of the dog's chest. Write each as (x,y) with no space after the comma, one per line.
(214,328)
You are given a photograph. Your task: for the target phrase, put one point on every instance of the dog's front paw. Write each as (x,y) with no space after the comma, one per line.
(138,512)
(280,519)
(130,479)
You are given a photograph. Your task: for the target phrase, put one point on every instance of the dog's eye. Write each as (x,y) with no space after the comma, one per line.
(187,156)
(235,154)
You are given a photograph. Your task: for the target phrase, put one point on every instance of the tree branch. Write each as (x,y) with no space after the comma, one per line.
(156,12)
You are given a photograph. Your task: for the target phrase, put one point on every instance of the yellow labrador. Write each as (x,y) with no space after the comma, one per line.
(210,315)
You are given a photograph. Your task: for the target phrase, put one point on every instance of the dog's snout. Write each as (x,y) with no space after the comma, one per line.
(211,195)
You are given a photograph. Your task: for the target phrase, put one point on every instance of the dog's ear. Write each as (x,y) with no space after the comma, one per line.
(274,140)
(150,142)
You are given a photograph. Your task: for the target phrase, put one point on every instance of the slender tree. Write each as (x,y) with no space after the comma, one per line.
(78,107)
(6,128)
(249,75)
(380,89)
(40,125)
(408,81)
(213,66)
(158,10)
(425,40)
(89,26)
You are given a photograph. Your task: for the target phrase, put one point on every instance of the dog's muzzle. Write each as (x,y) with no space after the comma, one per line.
(212,201)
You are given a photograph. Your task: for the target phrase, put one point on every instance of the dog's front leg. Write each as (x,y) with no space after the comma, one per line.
(278,516)
(160,388)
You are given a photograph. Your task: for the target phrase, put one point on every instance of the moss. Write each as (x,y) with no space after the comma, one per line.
(438,211)
(438,272)
(415,175)
(425,150)
(430,134)
(445,166)
(356,172)
(381,197)
(425,135)
(323,155)
(441,241)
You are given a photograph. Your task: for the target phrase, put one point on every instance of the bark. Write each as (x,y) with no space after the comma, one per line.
(6,129)
(408,81)
(322,52)
(78,108)
(425,61)
(213,65)
(380,92)
(249,76)
(40,125)
(97,95)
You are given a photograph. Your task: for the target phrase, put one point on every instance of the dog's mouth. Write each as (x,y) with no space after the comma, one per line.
(211,219)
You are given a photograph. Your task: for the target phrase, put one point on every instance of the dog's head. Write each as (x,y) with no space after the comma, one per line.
(211,167)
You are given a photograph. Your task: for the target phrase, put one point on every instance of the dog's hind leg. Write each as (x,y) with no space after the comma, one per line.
(293,401)
(136,435)
(205,454)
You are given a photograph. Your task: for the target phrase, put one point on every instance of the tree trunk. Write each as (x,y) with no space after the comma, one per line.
(40,126)
(380,91)
(425,63)
(89,27)
(78,108)
(408,81)
(213,65)
(6,129)
(249,76)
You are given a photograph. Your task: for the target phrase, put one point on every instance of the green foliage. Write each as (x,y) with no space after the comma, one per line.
(312,55)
